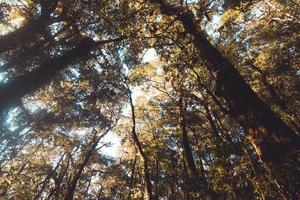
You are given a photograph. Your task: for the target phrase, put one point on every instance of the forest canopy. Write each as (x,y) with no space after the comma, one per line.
(149,99)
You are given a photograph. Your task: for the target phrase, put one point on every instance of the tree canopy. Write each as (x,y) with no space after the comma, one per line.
(149,99)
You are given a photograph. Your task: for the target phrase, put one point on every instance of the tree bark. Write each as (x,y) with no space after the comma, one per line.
(275,142)
(132,177)
(278,100)
(29,31)
(26,33)
(72,186)
(51,172)
(148,184)
(193,174)
(17,88)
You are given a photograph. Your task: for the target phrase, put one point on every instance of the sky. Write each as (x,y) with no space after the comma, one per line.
(149,56)
(112,150)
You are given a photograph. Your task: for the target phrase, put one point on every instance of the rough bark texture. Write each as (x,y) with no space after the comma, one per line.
(275,142)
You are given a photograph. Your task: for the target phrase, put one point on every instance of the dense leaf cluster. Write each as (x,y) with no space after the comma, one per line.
(212,114)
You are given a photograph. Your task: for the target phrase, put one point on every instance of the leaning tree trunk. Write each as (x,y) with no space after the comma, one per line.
(25,34)
(72,186)
(17,88)
(31,29)
(276,143)
(39,191)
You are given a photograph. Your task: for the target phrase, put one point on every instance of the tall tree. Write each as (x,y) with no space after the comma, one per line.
(146,174)
(273,140)
(151,68)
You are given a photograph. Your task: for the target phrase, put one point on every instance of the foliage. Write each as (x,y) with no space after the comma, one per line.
(187,140)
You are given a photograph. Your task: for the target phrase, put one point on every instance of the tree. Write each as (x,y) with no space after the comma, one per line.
(149,99)
(254,115)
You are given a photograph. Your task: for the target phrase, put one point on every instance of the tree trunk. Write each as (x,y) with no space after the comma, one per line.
(31,29)
(275,142)
(28,54)
(14,90)
(148,184)
(73,184)
(51,172)
(56,191)
(132,177)
(193,174)
(186,188)
(211,93)
(278,100)
(26,33)
(17,88)
(208,194)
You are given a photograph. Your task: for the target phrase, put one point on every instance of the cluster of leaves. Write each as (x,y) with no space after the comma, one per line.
(51,139)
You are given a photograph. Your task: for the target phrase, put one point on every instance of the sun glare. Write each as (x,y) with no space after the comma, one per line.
(15,20)
(149,55)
